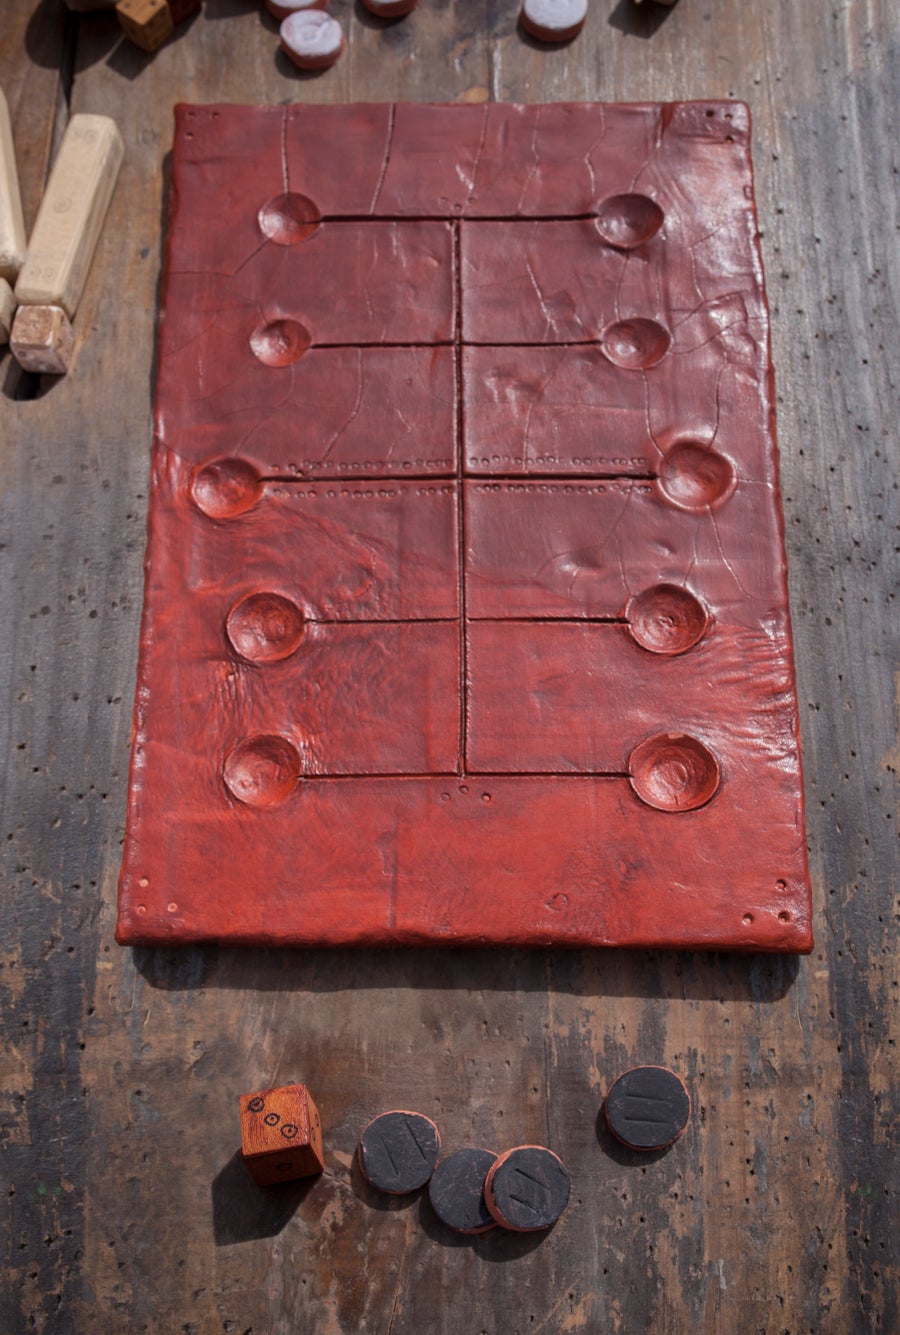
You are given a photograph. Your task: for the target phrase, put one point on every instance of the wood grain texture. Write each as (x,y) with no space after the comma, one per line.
(128,1206)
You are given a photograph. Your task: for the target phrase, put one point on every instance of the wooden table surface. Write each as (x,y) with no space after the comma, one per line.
(127,1208)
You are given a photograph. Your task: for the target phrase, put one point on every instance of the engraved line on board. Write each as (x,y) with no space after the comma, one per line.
(463,655)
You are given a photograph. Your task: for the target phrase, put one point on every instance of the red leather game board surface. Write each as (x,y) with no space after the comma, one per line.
(465,613)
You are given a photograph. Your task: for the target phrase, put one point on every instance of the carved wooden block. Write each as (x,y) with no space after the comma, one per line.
(147,23)
(12,224)
(67,228)
(466,616)
(281,1135)
(42,340)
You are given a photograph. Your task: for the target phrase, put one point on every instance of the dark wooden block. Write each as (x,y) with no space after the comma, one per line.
(527,1189)
(281,1135)
(456,1191)
(648,1108)
(398,1151)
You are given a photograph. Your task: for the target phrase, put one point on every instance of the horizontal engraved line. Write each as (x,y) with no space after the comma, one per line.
(384,343)
(561,477)
(463,343)
(457,217)
(469,774)
(531,343)
(566,620)
(548,619)
(484,477)
(354,479)
(382,621)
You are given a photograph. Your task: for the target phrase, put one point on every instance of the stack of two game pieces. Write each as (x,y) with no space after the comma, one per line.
(525,1189)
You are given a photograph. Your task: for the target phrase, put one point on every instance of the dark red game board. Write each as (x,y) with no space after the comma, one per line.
(465,614)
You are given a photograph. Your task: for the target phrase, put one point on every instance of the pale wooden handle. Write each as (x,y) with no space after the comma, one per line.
(12,224)
(7,310)
(71,214)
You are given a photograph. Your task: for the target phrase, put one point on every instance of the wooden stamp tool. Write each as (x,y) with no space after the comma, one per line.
(65,235)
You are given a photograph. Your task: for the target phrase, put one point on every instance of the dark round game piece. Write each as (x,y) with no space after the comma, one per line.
(456,1191)
(398,1151)
(527,1189)
(648,1108)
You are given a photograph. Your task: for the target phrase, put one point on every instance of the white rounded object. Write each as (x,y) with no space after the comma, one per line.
(553,20)
(311,39)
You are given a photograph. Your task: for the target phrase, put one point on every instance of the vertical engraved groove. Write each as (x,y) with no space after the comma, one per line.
(284,153)
(460,505)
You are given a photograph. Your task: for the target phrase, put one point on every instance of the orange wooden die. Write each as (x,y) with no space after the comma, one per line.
(281,1135)
(147,23)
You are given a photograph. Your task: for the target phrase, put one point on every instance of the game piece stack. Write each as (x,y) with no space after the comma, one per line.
(524,1190)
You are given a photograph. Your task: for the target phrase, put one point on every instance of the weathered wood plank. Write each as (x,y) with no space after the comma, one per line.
(128,1211)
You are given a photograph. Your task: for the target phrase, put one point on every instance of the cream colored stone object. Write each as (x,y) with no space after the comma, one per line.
(12,224)
(71,214)
(7,310)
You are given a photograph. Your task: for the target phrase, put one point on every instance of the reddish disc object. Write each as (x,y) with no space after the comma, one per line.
(553,20)
(398,1151)
(648,1108)
(311,39)
(465,616)
(282,9)
(527,1189)
(456,1191)
(390,9)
